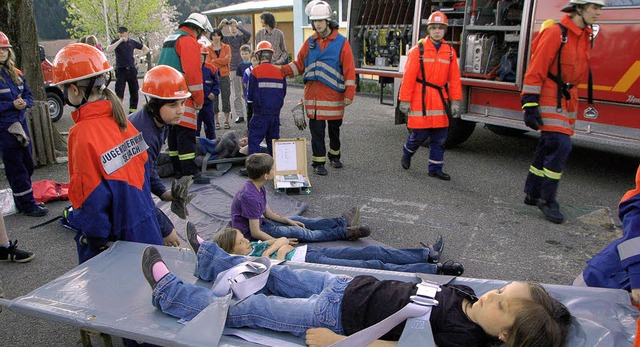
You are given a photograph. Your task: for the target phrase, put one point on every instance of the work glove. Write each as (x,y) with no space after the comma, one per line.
(299,116)
(532,116)
(404,107)
(455,108)
(181,196)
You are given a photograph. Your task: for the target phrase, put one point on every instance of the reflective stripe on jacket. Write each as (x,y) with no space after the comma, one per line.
(544,61)
(440,68)
(321,101)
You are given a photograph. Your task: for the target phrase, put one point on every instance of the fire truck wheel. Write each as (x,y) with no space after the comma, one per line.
(55,106)
(459,132)
(505,131)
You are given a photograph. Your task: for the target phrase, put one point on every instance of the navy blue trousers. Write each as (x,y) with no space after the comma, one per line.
(545,171)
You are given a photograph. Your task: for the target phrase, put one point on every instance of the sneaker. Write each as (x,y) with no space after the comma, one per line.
(13,254)
(243,172)
(440,175)
(528,200)
(200,179)
(320,170)
(352,216)
(336,163)
(239,120)
(192,237)
(406,162)
(551,211)
(450,268)
(360,231)
(150,257)
(435,250)
(38,211)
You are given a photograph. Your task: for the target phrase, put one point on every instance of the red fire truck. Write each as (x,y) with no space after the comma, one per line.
(54,93)
(493,40)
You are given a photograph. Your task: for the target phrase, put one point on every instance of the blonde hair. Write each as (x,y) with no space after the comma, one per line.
(226,239)
(10,68)
(101,91)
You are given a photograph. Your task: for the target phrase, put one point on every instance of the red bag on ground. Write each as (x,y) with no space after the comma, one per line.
(47,190)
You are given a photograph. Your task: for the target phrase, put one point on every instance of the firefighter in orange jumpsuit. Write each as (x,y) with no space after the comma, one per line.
(326,63)
(181,51)
(550,99)
(431,73)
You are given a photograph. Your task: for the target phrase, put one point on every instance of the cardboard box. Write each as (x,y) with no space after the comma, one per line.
(290,174)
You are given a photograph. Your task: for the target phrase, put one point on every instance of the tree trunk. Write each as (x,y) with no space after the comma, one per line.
(20,27)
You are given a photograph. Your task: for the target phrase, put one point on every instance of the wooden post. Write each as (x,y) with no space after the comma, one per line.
(40,129)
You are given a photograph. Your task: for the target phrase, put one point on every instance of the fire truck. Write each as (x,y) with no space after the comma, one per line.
(54,93)
(493,40)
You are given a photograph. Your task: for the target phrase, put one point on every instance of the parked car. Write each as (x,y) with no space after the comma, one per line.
(55,96)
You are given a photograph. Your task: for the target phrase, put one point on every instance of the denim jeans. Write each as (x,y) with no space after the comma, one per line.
(292,300)
(374,257)
(437,138)
(315,230)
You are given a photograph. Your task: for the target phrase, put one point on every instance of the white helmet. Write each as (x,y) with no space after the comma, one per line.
(318,10)
(199,20)
(572,3)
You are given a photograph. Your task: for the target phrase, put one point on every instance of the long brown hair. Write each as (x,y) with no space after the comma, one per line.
(226,239)
(542,321)
(9,67)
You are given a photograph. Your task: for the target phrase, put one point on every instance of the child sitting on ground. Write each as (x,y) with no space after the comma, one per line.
(423,260)
(323,306)
(249,205)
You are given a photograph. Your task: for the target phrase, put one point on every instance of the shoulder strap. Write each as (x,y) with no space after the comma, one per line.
(424,78)
(243,279)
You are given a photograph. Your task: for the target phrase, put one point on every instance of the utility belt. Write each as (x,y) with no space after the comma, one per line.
(426,84)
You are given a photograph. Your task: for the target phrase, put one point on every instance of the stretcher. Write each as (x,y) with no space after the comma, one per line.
(109,294)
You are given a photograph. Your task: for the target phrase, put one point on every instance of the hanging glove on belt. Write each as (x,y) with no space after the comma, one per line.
(404,107)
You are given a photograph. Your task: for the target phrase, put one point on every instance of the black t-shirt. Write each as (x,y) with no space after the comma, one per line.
(368,301)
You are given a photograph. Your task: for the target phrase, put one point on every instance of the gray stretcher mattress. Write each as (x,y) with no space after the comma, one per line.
(109,294)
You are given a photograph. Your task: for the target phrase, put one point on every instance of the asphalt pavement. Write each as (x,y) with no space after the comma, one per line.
(480,212)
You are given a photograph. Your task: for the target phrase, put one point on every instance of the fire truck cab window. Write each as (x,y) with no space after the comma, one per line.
(622,3)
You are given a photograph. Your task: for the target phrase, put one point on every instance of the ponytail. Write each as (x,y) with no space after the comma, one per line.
(119,114)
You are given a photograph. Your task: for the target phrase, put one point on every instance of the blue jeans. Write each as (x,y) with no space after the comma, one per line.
(315,230)
(374,257)
(437,138)
(292,300)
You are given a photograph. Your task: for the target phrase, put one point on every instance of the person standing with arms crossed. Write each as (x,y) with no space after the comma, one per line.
(238,36)
(326,63)
(431,78)
(181,51)
(126,72)
(550,99)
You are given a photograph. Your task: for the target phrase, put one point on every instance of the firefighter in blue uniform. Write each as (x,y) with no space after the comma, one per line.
(15,98)
(211,88)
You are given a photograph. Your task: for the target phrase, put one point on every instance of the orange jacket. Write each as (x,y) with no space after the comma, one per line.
(222,61)
(188,48)
(544,60)
(322,102)
(440,68)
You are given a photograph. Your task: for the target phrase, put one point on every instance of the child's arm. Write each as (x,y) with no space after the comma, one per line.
(321,337)
(275,245)
(269,214)
(256,233)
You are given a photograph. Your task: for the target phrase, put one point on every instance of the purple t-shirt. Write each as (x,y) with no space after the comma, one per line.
(248,203)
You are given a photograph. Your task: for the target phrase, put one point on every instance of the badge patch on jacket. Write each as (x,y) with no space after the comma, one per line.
(120,155)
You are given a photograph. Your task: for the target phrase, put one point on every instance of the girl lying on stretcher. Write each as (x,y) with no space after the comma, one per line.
(422,260)
(325,307)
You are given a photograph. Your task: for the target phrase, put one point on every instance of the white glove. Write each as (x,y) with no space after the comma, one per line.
(455,108)
(299,118)
(404,107)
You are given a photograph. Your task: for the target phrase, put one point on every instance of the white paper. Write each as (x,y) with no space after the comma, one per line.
(286,156)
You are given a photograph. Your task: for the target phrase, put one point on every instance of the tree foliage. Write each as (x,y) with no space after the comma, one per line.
(50,15)
(141,17)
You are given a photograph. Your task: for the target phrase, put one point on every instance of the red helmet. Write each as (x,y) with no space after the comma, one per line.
(78,61)
(4,41)
(264,46)
(438,17)
(203,49)
(165,82)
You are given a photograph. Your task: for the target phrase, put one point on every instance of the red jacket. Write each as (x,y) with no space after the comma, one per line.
(222,61)
(188,48)
(544,60)
(440,68)
(322,102)
(108,186)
